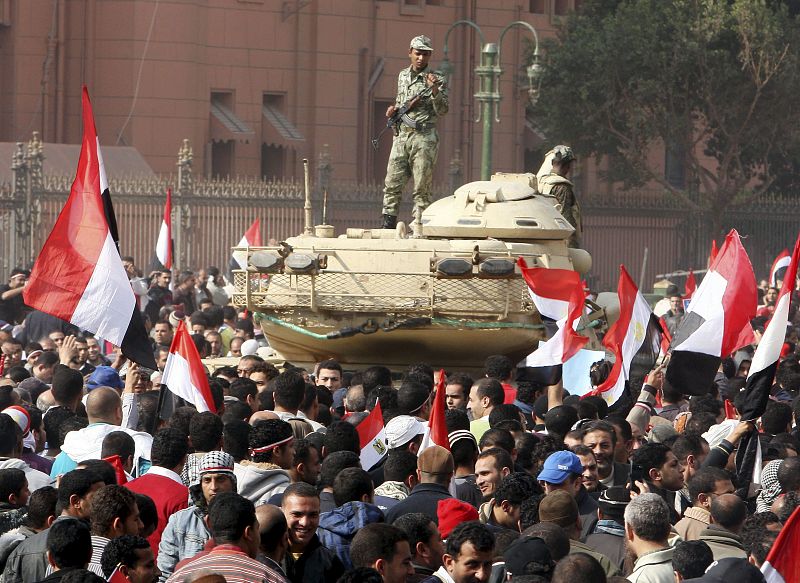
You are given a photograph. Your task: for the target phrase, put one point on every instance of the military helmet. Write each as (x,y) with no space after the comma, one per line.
(421,43)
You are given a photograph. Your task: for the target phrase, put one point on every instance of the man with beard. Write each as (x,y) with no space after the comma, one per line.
(601,438)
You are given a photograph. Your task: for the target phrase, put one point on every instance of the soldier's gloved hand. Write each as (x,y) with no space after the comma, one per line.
(390,111)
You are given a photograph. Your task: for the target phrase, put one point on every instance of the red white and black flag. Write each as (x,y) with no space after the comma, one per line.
(251,238)
(716,321)
(372,438)
(636,332)
(559,297)
(184,373)
(762,369)
(783,561)
(162,260)
(78,275)
(436,430)
(691,286)
(780,263)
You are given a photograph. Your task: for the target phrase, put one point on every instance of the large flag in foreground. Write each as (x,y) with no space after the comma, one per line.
(715,321)
(184,374)
(251,238)
(372,438)
(783,561)
(78,275)
(636,329)
(436,431)
(557,295)
(163,255)
(762,372)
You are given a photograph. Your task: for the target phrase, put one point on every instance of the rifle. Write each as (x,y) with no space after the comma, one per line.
(397,118)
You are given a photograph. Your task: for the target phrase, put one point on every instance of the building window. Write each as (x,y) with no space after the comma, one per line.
(222,159)
(538,6)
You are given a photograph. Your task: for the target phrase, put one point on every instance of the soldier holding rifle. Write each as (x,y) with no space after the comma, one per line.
(422,94)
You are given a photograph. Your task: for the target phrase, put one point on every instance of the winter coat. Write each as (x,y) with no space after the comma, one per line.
(338,527)
(87,443)
(9,541)
(424,498)
(28,562)
(723,543)
(11,517)
(259,481)
(185,535)
(694,522)
(317,564)
(36,479)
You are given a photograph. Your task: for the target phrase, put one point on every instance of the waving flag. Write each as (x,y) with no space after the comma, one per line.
(251,238)
(762,371)
(372,438)
(636,329)
(691,285)
(163,255)
(78,275)
(184,373)
(558,295)
(781,261)
(783,562)
(714,252)
(716,320)
(436,431)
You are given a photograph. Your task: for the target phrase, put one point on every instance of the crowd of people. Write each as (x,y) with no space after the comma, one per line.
(537,485)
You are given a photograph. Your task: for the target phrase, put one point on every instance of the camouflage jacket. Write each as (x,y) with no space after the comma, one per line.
(10,517)
(410,84)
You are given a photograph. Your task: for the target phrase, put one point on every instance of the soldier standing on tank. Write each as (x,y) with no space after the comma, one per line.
(416,145)
(552,177)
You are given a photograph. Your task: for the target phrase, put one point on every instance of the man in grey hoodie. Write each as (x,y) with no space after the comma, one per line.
(271,455)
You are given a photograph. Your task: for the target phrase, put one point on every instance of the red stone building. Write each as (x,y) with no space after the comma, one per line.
(256,85)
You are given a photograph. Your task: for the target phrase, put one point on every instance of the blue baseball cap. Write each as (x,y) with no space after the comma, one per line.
(559,466)
(105,376)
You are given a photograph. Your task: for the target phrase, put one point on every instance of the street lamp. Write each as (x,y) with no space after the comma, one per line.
(489,72)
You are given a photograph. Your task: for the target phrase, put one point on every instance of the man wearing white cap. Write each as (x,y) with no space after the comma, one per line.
(402,432)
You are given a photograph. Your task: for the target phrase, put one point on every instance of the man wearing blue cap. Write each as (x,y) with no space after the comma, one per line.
(562,470)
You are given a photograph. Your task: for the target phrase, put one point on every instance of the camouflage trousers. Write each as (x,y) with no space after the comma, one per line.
(413,154)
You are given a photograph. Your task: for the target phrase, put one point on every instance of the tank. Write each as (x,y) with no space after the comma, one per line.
(451,295)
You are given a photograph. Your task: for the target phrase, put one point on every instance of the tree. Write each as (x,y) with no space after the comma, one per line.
(716,80)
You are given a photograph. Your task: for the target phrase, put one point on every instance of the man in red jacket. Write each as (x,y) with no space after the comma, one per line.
(163,482)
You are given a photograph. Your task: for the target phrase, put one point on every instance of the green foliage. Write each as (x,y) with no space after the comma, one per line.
(718,79)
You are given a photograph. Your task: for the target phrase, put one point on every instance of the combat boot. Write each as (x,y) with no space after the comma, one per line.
(389,222)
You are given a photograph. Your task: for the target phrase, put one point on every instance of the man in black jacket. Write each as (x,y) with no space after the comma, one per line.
(434,469)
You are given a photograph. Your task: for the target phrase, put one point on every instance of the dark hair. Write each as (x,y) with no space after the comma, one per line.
(586,410)
(350,485)
(266,400)
(242,388)
(10,434)
(265,433)
(148,513)
(705,404)
(691,558)
(205,431)
(700,422)
(236,410)
(497,438)
(553,536)
(18,374)
(464,451)
(118,443)
(400,463)
(302,452)
(109,503)
(599,372)
(309,397)
(236,439)
(75,483)
(301,490)
(472,532)
(515,488)
(341,436)
(330,365)
(360,575)
(387,397)
(789,474)
(503,412)
(375,541)
(41,506)
(103,470)
(376,376)
(757,539)
(73,423)
(463,380)
(290,389)
(417,527)
(650,456)
(122,551)
(560,419)
(411,397)
(52,424)
(170,446)
(456,419)
(498,367)
(525,444)
(12,481)
(492,389)
(181,418)
(67,383)
(601,426)
(229,514)
(529,511)
(48,358)
(502,459)
(69,543)
(776,418)
(688,444)
(578,567)
(335,463)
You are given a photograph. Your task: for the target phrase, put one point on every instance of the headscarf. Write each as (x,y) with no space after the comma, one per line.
(770,487)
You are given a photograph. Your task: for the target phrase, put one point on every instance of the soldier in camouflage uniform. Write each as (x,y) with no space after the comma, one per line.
(416,145)
(552,177)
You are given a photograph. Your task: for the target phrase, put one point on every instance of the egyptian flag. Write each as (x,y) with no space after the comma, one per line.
(372,438)
(781,262)
(714,252)
(691,286)
(762,373)
(78,275)
(117,576)
(716,321)
(163,256)
(558,296)
(184,374)
(251,238)
(636,330)
(783,562)
(436,431)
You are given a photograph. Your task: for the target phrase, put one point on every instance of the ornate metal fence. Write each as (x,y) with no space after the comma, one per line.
(209,217)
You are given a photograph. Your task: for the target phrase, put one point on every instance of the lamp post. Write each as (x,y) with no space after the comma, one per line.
(489,72)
